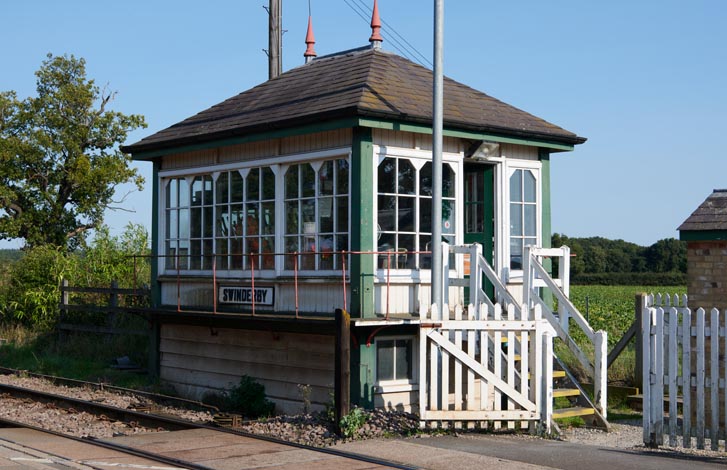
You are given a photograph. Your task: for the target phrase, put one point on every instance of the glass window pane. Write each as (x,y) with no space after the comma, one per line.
(223,188)
(268,246)
(291,246)
(425,244)
(385,360)
(172,224)
(208,221)
(342,177)
(325,214)
(171,252)
(425,180)
(530,241)
(516,219)
(308,211)
(208,190)
(308,181)
(406,177)
(235,186)
(221,250)
(325,179)
(404,253)
(291,217)
(448,216)
(268,178)
(325,247)
(183,223)
(387,176)
(403,355)
(196,223)
(267,218)
(448,181)
(223,222)
(516,186)
(236,222)
(342,214)
(405,214)
(291,182)
(252,221)
(530,220)
(425,215)
(172,195)
(529,186)
(252,183)
(387,242)
(197,191)
(195,253)
(183,192)
(387,213)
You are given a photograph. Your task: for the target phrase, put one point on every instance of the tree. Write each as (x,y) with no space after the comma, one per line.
(60,161)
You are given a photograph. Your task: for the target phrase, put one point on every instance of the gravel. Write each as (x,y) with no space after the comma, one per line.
(311,429)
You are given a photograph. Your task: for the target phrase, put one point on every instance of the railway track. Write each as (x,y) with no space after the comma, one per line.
(185,442)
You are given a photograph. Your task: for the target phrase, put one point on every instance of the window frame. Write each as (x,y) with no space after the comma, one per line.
(164,177)
(397,385)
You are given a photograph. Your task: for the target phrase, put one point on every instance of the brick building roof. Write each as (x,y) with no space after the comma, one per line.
(710,215)
(360,83)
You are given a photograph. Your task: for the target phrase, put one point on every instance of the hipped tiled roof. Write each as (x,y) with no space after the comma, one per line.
(360,83)
(710,215)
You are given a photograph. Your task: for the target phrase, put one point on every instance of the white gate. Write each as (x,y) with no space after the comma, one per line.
(484,369)
(681,363)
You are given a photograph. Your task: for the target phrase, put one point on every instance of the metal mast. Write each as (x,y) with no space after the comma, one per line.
(275,39)
(437,123)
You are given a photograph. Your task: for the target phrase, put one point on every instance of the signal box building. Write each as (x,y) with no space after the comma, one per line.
(313,192)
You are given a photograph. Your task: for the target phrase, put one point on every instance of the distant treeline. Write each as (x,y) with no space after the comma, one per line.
(599,260)
(7,255)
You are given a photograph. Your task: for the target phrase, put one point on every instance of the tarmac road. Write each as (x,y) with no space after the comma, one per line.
(508,452)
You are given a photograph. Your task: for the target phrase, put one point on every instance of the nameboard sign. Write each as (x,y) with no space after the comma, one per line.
(245,295)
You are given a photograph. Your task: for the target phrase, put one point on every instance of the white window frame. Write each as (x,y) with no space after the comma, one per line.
(510,166)
(276,164)
(456,163)
(398,385)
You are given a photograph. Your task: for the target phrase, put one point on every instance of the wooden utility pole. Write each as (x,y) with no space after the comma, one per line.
(342,380)
(275,39)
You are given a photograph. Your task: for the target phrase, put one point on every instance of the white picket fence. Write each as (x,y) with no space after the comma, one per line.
(472,376)
(681,362)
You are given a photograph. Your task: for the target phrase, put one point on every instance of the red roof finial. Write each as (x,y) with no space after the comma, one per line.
(376,38)
(310,40)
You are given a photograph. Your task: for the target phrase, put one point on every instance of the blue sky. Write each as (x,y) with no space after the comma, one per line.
(644,81)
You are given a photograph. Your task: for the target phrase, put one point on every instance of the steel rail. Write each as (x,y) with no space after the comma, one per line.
(7,423)
(157,421)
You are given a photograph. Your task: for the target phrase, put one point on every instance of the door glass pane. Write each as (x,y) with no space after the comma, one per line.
(516,186)
(516,220)
(516,253)
(530,220)
(529,186)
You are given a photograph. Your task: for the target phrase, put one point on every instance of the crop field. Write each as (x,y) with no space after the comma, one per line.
(611,308)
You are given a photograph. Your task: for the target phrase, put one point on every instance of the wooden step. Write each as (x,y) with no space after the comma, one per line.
(558,374)
(572,412)
(566,392)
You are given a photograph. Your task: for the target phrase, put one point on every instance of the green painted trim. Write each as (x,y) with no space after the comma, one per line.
(156,291)
(702,235)
(362,223)
(256,137)
(547,228)
(363,381)
(449,132)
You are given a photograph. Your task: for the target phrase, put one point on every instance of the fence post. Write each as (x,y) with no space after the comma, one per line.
(342,392)
(600,378)
(639,305)
(645,334)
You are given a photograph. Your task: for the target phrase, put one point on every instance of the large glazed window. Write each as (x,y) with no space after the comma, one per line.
(316,214)
(405,212)
(523,214)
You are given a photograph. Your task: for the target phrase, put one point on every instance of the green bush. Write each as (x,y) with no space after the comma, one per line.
(248,398)
(630,279)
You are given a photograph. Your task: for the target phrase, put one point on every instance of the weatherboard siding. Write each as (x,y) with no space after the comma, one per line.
(411,140)
(199,360)
(519,152)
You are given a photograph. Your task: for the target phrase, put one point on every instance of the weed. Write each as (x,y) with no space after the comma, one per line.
(248,398)
(352,422)
(305,392)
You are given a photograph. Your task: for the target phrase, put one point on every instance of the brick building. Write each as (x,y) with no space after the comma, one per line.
(705,232)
